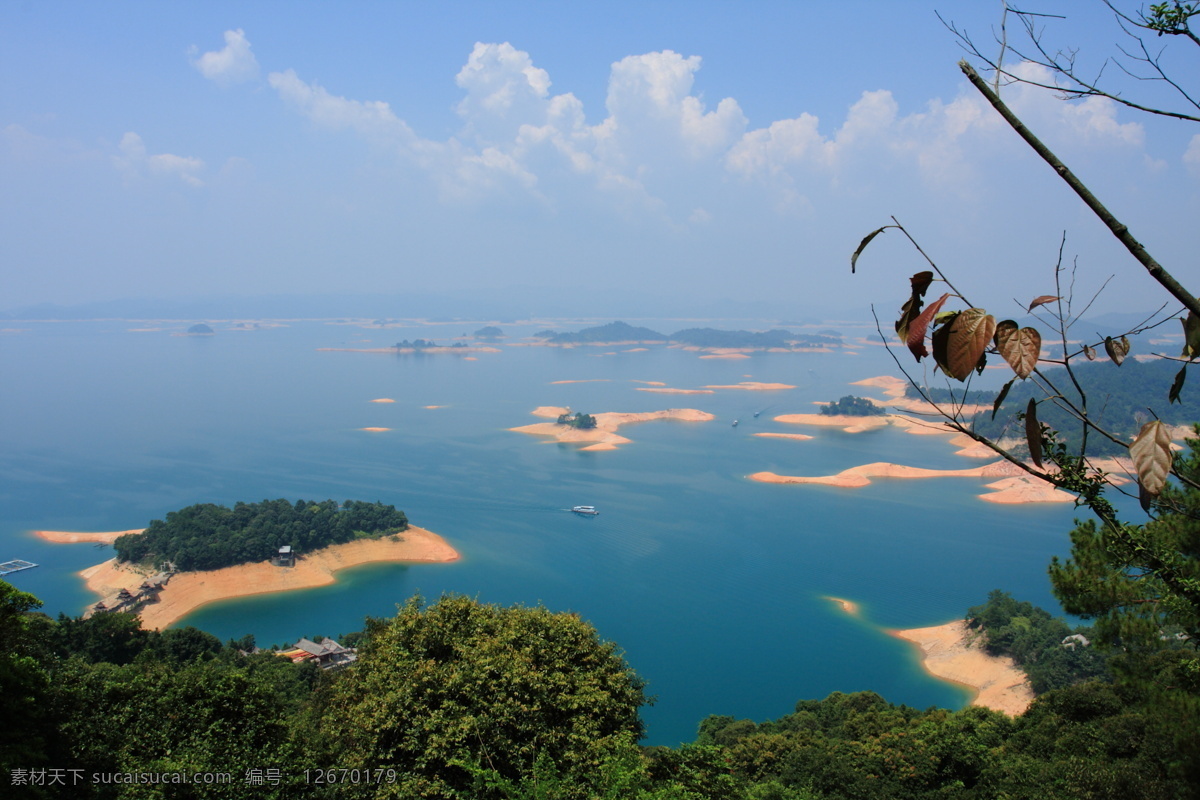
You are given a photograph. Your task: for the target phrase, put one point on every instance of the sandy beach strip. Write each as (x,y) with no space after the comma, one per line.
(1014,487)
(72,537)
(383,400)
(668,390)
(796,436)
(188,591)
(950,652)
(845,422)
(849,606)
(604,436)
(375,430)
(754,386)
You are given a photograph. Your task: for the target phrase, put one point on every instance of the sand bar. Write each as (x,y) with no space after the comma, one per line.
(383,400)
(188,591)
(950,652)
(668,390)
(849,606)
(1016,486)
(847,423)
(375,430)
(726,355)
(796,436)
(755,386)
(71,537)
(604,436)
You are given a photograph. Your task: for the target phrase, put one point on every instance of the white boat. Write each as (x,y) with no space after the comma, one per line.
(589,511)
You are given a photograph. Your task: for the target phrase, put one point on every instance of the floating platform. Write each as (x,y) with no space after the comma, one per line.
(16,565)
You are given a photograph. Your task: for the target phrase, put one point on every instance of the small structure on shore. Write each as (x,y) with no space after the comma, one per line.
(125,600)
(285,557)
(326,654)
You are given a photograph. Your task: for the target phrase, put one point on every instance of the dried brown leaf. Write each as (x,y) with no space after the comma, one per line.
(1090,352)
(1117,349)
(1041,301)
(1151,454)
(1020,347)
(1191,336)
(1033,433)
(966,338)
(863,245)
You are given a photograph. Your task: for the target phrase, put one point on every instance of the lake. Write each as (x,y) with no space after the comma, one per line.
(712,584)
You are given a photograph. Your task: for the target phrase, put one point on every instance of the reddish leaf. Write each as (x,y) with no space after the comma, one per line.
(1020,347)
(1033,433)
(1041,301)
(1151,454)
(916,330)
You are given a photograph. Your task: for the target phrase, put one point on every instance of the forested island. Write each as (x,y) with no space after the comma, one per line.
(851,406)
(208,536)
(579,421)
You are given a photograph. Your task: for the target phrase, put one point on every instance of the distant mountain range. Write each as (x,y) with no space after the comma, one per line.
(696,337)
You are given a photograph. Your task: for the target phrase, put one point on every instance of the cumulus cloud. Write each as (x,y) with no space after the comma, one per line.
(135,161)
(234,63)
(373,118)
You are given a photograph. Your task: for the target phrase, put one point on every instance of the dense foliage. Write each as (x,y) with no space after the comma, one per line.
(940,395)
(460,684)
(1120,399)
(466,700)
(852,406)
(1038,642)
(208,536)
(581,421)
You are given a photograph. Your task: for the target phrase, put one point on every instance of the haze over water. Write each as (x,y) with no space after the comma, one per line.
(711,584)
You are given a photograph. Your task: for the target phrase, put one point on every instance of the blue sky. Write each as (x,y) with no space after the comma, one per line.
(699,153)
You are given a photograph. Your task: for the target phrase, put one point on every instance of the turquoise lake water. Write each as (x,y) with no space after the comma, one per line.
(711,584)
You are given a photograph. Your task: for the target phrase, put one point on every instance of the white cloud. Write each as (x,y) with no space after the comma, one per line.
(1191,156)
(650,101)
(135,161)
(234,63)
(504,91)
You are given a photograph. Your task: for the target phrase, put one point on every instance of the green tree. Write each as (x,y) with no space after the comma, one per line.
(443,692)
(24,682)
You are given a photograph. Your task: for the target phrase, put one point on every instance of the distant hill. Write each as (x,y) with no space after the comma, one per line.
(199,329)
(712,337)
(696,337)
(612,332)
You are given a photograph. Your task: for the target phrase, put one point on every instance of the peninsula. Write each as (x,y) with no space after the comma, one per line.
(603,436)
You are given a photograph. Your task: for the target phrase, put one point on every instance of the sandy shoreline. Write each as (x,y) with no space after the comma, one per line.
(71,537)
(949,652)
(1014,487)
(604,436)
(188,591)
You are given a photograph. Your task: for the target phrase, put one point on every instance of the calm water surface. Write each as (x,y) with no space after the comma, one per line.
(711,583)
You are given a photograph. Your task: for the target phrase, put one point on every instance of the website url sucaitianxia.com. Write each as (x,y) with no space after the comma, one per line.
(75,777)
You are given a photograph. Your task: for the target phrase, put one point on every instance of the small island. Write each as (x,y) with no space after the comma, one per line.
(851,406)
(601,433)
(205,553)
(580,422)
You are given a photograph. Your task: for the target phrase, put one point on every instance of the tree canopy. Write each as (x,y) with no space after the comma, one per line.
(208,536)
